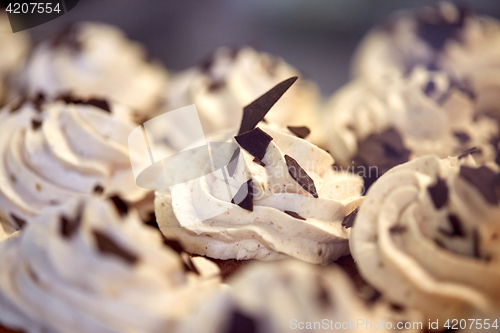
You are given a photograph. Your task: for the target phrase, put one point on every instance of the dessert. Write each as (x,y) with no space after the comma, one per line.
(229,80)
(284,199)
(426,237)
(291,296)
(95,59)
(90,266)
(54,150)
(374,127)
(13,51)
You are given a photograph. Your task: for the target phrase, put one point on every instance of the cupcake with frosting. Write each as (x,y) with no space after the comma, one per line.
(277,197)
(13,52)
(292,296)
(427,237)
(95,59)
(93,267)
(374,127)
(54,150)
(229,80)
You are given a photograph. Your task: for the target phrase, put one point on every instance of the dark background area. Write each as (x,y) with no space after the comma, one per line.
(316,36)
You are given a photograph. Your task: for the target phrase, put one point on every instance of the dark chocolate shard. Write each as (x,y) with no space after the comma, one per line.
(259,162)
(241,323)
(244,196)
(456,225)
(257,110)
(68,98)
(255,142)
(469,151)
(348,221)
(20,223)
(173,244)
(106,245)
(69,226)
(99,103)
(476,244)
(398,229)
(293,214)
(300,131)
(36,124)
(120,205)
(98,189)
(233,162)
(439,193)
(300,176)
(483,179)
(462,137)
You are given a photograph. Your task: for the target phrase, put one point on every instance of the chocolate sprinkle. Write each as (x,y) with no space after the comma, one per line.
(120,205)
(244,196)
(255,142)
(456,225)
(106,245)
(36,124)
(483,179)
(233,162)
(348,221)
(293,214)
(462,137)
(300,131)
(259,162)
(439,193)
(21,223)
(241,323)
(257,110)
(300,176)
(69,226)
(98,189)
(398,229)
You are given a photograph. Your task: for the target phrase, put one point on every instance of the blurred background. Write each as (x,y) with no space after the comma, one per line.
(316,36)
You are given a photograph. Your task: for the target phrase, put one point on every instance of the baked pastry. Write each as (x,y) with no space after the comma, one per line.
(376,126)
(229,80)
(13,52)
(54,150)
(426,237)
(277,197)
(95,59)
(290,296)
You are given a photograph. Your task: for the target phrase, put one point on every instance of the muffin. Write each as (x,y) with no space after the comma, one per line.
(95,59)
(292,296)
(426,237)
(13,52)
(374,127)
(90,266)
(229,80)
(55,150)
(277,197)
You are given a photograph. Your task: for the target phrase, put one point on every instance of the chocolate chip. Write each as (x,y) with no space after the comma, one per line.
(259,162)
(120,205)
(98,189)
(293,214)
(462,137)
(300,131)
(476,244)
(36,124)
(256,111)
(456,225)
(106,245)
(241,323)
(348,220)
(300,176)
(21,223)
(483,179)
(398,229)
(255,142)
(69,226)
(439,193)
(233,162)
(469,151)
(173,244)
(244,196)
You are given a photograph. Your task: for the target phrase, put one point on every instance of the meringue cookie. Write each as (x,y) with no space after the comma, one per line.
(280,216)
(426,237)
(229,80)
(95,59)
(52,151)
(91,267)
(289,296)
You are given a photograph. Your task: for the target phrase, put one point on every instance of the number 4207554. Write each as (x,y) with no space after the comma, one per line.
(471,323)
(33,8)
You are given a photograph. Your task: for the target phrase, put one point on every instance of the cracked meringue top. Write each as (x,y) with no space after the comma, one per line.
(92,266)
(427,237)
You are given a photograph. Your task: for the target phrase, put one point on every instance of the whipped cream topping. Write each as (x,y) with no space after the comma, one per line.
(52,151)
(229,80)
(433,114)
(13,53)
(94,59)
(426,237)
(289,296)
(282,214)
(90,267)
